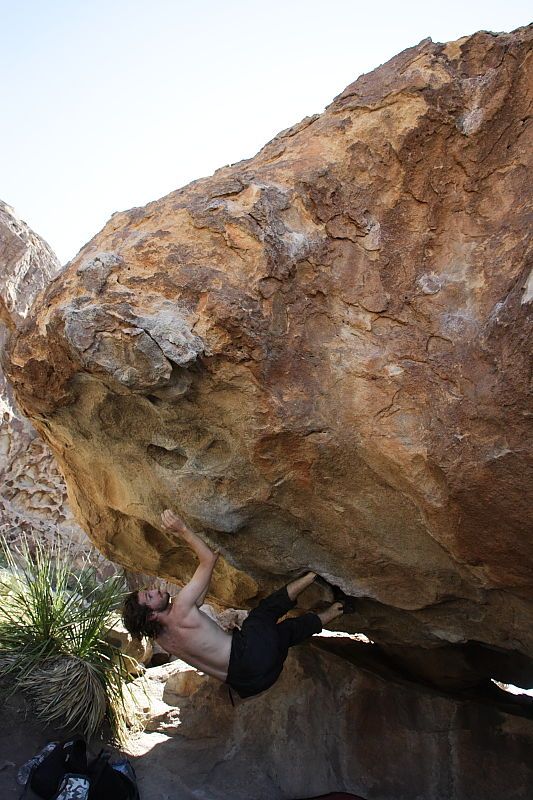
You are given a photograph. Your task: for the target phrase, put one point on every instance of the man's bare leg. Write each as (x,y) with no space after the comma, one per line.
(294,588)
(331,613)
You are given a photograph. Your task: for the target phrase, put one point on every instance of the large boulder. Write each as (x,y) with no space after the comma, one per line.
(318,357)
(326,726)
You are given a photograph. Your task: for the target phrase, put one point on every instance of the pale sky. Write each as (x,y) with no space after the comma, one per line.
(108,105)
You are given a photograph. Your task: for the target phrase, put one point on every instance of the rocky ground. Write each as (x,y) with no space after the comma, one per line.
(22,735)
(327,725)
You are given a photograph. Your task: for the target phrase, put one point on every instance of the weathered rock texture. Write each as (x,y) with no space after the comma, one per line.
(33,495)
(28,266)
(319,357)
(327,726)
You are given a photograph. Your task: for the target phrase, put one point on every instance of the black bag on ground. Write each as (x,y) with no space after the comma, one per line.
(46,776)
(61,772)
(112,781)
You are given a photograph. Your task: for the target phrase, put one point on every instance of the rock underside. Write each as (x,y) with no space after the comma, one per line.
(319,357)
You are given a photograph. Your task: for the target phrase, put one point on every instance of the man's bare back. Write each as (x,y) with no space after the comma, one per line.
(198,640)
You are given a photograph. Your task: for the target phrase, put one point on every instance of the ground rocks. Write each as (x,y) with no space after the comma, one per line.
(137,652)
(327,726)
(318,356)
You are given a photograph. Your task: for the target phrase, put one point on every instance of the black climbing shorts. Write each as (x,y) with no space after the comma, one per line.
(259,649)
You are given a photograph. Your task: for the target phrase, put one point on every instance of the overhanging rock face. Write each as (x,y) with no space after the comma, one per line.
(318,356)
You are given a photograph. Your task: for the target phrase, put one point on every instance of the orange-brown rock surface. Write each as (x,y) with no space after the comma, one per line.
(319,357)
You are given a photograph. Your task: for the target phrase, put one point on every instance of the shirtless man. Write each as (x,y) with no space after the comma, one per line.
(251,659)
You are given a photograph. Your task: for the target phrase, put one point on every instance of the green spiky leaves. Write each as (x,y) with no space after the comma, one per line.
(53,625)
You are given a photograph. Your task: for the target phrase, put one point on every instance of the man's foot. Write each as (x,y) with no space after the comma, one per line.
(347,602)
(331,613)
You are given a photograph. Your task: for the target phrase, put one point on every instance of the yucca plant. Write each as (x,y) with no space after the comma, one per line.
(53,646)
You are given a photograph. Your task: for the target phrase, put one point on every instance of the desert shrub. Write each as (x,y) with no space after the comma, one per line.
(53,646)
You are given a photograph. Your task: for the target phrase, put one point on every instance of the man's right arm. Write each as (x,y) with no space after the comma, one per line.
(194,592)
(175,524)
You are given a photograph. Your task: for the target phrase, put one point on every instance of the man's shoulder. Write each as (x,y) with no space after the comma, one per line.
(182,616)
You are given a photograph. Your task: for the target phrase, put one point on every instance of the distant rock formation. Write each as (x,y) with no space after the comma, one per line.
(33,495)
(319,357)
(27,266)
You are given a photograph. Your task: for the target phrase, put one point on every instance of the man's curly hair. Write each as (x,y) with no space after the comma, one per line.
(137,618)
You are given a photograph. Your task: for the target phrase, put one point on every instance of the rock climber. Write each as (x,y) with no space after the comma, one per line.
(249,660)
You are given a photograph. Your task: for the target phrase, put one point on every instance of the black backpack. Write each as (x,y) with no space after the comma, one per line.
(60,772)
